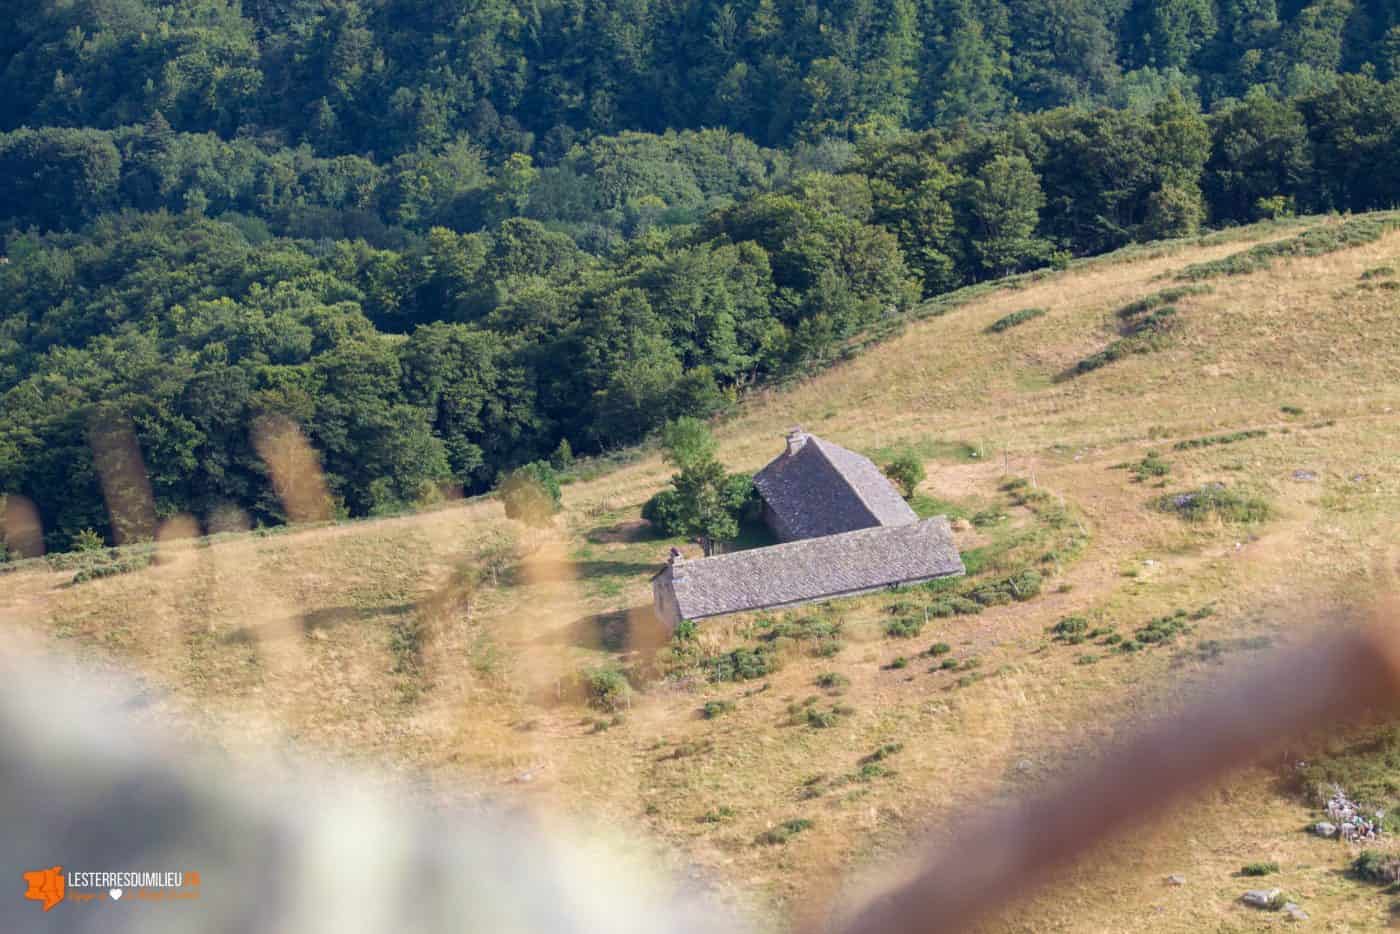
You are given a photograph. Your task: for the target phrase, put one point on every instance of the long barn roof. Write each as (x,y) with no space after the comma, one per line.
(814,568)
(825,489)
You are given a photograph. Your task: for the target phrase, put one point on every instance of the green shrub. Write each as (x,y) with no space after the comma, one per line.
(1162,298)
(883,752)
(742,664)
(1163,629)
(1214,499)
(987,517)
(716,815)
(531,494)
(1086,659)
(954,606)
(1146,335)
(1150,467)
(1290,410)
(1259,869)
(939,648)
(1018,587)
(784,831)
(1015,318)
(1378,272)
(904,627)
(1371,866)
(716,708)
(821,719)
(948,664)
(907,472)
(87,540)
(832,681)
(1213,440)
(607,689)
(801,629)
(563,457)
(1316,241)
(1070,626)
(900,661)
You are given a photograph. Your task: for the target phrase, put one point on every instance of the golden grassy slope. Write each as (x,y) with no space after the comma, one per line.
(261,639)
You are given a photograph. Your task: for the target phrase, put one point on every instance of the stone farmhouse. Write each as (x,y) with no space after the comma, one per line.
(843,530)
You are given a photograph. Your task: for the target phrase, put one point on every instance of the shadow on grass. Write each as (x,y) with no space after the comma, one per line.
(635,630)
(307,623)
(591,568)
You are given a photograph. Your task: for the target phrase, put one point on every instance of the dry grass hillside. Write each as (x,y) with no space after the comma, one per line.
(339,639)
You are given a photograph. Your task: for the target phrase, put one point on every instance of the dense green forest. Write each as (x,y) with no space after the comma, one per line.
(448,238)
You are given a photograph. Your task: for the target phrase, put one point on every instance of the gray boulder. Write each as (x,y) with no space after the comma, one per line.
(1261,898)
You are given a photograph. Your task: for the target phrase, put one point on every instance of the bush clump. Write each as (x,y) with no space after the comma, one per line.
(954,606)
(1215,499)
(1371,866)
(1317,241)
(906,471)
(607,689)
(784,831)
(1015,318)
(1160,299)
(832,681)
(1151,467)
(742,664)
(903,627)
(939,648)
(111,568)
(1259,869)
(1070,627)
(1017,587)
(531,494)
(1213,440)
(1146,335)
(716,708)
(1163,629)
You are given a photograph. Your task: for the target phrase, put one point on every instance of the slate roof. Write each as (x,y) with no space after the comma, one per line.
(814,568)
(824,489)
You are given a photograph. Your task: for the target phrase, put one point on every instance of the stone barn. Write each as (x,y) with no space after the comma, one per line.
(844,530)
(817,488)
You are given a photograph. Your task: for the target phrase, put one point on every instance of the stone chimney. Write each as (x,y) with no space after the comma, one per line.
(795,440)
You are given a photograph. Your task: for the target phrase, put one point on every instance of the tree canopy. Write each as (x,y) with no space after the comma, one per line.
(448,241)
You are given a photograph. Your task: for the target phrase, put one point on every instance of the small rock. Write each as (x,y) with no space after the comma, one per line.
(1324,829)
(1294,913)
(1260,898)
(1304,476)
(524,777)
(1176,879)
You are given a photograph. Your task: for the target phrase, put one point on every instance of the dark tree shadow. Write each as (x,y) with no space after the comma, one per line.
(636,631)
(624,532)
(316,619)
(591,569)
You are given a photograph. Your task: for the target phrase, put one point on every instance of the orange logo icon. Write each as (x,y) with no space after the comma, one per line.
(45,885)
